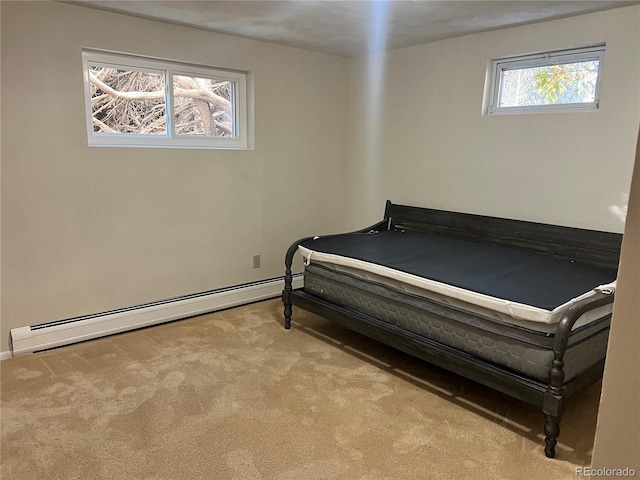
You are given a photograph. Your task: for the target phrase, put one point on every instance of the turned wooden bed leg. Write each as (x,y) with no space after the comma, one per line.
(287,316)
(553,405)
(288,283)
(286,296)
(551,431)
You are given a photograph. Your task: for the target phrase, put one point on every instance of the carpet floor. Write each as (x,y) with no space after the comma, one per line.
(232,395)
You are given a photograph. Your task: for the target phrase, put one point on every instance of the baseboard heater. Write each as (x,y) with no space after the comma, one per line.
(35,338)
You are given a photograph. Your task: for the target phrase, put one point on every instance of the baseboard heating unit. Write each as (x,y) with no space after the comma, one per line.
(35,338)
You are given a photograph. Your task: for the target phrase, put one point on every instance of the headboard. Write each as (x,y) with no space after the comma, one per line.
(586,246)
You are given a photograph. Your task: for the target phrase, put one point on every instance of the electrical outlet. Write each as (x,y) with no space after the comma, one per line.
(256,261)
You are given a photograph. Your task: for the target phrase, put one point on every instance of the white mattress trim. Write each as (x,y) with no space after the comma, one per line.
(516,310)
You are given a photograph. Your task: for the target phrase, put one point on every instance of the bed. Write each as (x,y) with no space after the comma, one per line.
(521,307)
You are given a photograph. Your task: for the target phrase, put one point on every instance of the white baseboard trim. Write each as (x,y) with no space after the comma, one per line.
(31,339)
(5,355)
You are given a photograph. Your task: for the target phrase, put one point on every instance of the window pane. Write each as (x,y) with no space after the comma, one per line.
(549,85)
(127,101)
(203,106)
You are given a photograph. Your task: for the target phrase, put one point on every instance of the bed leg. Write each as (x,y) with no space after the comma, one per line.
(551,431)
(286,297)
(553,406)
(288,285)
(287,316)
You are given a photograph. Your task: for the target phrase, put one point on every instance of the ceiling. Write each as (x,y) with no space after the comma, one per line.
(352,27)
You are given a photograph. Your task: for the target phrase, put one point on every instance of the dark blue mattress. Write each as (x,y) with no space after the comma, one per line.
(503,272)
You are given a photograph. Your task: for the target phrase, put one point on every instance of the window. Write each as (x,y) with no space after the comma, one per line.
(559,80)
(140,102)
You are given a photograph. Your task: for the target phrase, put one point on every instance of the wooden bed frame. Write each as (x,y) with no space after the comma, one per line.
(585,246)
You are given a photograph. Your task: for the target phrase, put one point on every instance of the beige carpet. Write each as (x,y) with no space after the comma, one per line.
(232,395)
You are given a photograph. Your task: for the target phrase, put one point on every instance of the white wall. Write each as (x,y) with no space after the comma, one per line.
(617,440)
(429,145)
(85,230)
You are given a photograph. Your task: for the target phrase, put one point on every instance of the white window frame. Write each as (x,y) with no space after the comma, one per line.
(572,55)
(241,140)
